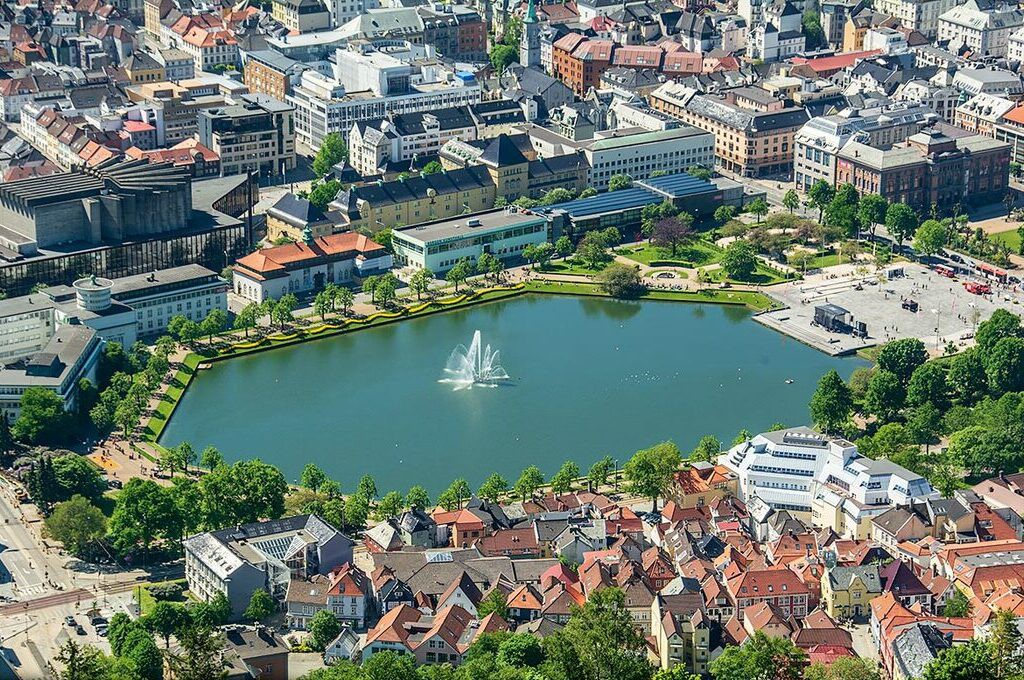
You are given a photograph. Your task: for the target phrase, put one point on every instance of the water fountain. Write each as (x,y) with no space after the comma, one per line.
(474,365)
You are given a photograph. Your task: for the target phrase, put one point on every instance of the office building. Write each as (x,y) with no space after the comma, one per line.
(256,135)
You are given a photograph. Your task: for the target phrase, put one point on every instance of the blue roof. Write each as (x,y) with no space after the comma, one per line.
(610,201)
(644,192)
(680,184)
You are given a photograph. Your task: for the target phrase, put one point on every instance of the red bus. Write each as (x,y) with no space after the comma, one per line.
(992,272)
(943,270)
(978,288)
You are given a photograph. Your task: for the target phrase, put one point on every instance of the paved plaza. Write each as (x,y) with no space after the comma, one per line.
(947,312)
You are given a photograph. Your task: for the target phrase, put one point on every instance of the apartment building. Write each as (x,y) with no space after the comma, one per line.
(302,16)
(981,26)
(929,169)
(176,107)
(821,479)
(916,15)
(753,131)
(271,73)
(981,113)
(638,153)
(255,135)
(818,142)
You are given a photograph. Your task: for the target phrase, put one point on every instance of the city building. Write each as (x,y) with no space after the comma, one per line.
(401,138)
(302,16)
(821,479)
(819,141)
(343,592)
(753,131)
(846,592)
(981,113)
(443,637)
(271,73)
(929,169)
(191,290)
(256,135)
(978,25)
(780,588)
(309,264)
(439,245)
(254,651)
(291,216)
(638,153)
(237,561)
(916,15)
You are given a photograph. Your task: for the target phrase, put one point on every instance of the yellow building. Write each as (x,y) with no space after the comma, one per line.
(681,632)
(291,216)
(846,592)
(858,25)
(142,68)
(700,483)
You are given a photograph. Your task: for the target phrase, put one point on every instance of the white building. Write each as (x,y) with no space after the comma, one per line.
(886,40)
(439,245)
(308,265)
(638,153)
(916,15)
(780,36)
(401,138)
(368,85)
(822,479)
(984,29)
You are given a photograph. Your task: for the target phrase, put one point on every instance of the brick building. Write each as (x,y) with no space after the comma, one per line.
(931,168)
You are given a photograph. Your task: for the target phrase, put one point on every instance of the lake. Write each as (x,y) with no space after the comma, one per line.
(589,377)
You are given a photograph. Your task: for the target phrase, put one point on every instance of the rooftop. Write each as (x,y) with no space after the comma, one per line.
(466,225)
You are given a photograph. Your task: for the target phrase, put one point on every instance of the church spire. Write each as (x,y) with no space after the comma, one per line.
(531,13)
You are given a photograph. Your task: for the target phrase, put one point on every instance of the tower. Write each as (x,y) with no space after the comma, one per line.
(529,45)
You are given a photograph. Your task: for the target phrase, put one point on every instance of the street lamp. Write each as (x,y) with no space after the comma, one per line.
(938,319)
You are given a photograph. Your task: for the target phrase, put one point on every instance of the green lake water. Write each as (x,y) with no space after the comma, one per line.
(590,377)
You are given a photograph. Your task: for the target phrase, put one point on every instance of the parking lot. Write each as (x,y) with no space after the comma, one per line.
(946,311)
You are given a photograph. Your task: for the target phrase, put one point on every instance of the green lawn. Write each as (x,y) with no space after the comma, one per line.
(174,391)
(763,276)
(145,599)
(691,255)
(572,266)
(827,260)
(1011,239)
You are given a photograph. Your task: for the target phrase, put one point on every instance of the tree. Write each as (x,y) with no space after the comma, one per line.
(529,481)
(814,35)
(432,168)
(957,606)
(390,505)
(739,261)
(215,322)
(725,213)
(457,492)
(928,385)
(871,211)
(600,641)
(493,488)
(563,246)
(556,195)
(707,449)
(345,300)
(901,221)
(671,232)
(650,470)
(460,272)
(599,473)
(144,512)
(417,498)
(620,181)
(141,650)
(758,207)
(357,510)
(387,286)
(283,308)
(79,662)
(564,478)
(761,657)
(332,151)
(199,655)
(885,396)
(902,357)
(42,419)
(520,650)
(1004,366)
(367,487)
(970,661)
(930,237)
(966,378)
(821,194)
(493,603)
(323,628)
(592,250)
(165,618)
(791,201)
(831,402)
(322,303)
(843,668)
(503,55)
(621,281)
(312,476)
(211,458)
(260,607)
(1005,641)
(1002,324)
(77,524)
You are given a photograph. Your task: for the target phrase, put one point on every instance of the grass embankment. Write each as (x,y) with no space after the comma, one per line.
(763,276)
(755,301)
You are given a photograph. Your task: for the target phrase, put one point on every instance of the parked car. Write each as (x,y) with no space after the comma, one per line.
(70,620)
(79,630)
